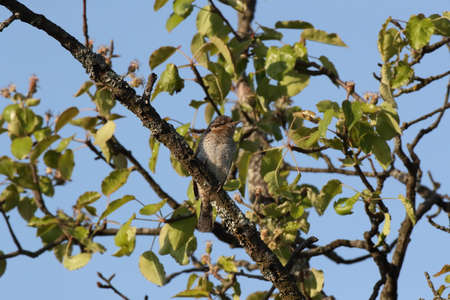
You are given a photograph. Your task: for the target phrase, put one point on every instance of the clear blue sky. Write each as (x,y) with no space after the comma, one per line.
(137,31)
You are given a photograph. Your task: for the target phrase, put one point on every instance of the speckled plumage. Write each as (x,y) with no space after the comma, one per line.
(217,150)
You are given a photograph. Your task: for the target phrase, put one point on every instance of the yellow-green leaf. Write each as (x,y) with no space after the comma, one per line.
(152,209)
(105,133)
(77,261)
(115,205)
(419,31)
(65,117)
(21,146)
(322,37)
(125,238)
(158,4)
(66,164)
(294,24)
(115,180)
(386,229)
(87,198)
(410,212)
(42,146)
(151,268)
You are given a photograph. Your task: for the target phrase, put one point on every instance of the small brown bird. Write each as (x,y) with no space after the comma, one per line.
(216,149)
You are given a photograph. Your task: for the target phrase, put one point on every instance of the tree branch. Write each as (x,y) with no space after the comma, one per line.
(233,218)
(8,21)
(109,285)
(423,82)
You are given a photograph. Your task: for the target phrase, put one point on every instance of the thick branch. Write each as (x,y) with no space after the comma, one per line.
(232,217)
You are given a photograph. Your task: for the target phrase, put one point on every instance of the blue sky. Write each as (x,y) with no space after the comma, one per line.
(137,31)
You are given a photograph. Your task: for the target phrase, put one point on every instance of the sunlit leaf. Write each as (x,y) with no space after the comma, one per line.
(151,268)
(115,205)
(386,229)
(151,209)
(170,81)
(115,180)
(419,31)
(125,238)
(410,212)
(344,206)
(65,117)
(77,261)
(158,4)
(84,88)
(66,164)
(87,198)
(322,37)
(42,146)
(328,192)
(21,146)
(105,133)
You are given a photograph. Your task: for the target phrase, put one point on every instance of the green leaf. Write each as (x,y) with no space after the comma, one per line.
(194,293)
(294,24)
(104,101)
(158,4)
(152,209)
(270,34)
(87,198)
(402,76)
(10,112)
(352,112)
(390,42)
(170,81)
(294,82)
(325,122)
(279,61)
(232,185)
(382,151)
(27,207)
(322,37)
(329,190)
(42,146)
(84,88)
(46,186)
(115,205)
(21,146)
(386,93)
(41,134)
(224,50)
(105,133)
(125,238)
(9,198)
(314,282)
(227,264)
(51,158)
(409,209)
(77,261)
(65,117)
(66,164)
(115,180)
(32,102)
(419,31)
(386,229)
(327,64)
(2,265)
(64,144)
(325,105)
(173,236)
(160,55)
(344,206)
(271,160)
(182,8)
(387,126)
(151,268)
(154,145)
(87,122)
(210,23)
(441,24)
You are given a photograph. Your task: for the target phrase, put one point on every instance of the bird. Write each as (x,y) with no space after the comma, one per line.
(216,149)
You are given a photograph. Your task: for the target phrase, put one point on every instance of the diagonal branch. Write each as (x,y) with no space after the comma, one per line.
(233,218)
(8,21)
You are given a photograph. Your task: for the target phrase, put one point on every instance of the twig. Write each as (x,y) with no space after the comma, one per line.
(333,245)
(37,191)
(36,253)
(376,288)
(153,184)
(406,125)
(8,21)
(190,270)
(430,284)
(91,146)
(199,80)
(307,151)
(139,231)
(269,293)
(434,224)
(435,124)
(216,10)
(149,87)
(85,26)
(11,231)
(109,285)
(423,82)
(428,49)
